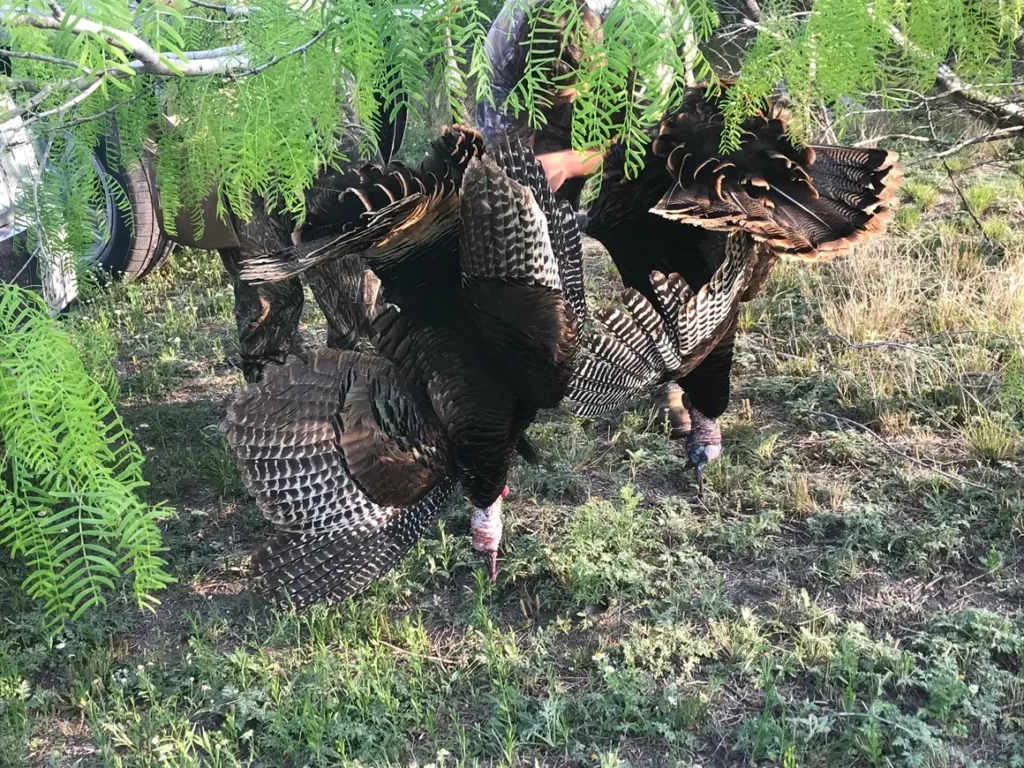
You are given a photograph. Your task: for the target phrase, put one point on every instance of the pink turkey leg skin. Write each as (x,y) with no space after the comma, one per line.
(486,527)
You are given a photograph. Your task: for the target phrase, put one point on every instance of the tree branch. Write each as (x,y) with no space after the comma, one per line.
(231,11)
(85,82)
(128,42)
(70,104)
(40,57)
(219,61)
(1002,112)
(229,61)
(997,134)
(296,50)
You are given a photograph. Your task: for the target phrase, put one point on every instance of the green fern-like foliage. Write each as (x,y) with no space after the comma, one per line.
(295,76)
(68,472)
(840,50)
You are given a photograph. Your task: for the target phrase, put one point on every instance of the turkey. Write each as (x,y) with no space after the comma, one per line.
(353,454)
(691,209)
(476,324)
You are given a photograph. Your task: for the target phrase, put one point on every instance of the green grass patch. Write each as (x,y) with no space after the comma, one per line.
(846,592)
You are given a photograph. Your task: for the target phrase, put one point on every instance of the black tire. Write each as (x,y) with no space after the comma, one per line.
(135,247)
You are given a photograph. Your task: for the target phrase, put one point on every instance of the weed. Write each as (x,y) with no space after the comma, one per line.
(909,217)
(998,230)
(992,438)
(980,198)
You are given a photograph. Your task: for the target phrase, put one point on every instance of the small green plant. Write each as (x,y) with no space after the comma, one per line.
(925,195)
(69,471)
(1011,390)
(604,547)
(998,230)
(980,198)
(909,217)
(992,438)
(800,498)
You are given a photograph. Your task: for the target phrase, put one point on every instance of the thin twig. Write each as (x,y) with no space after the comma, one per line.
(294,51)
(72,103)
(889,136)
(41,57)
(967,205)
(999,134)
(884,444)
(883,344)
(205,20)
(147,58)
(102,113)
(227,10)
(84,82)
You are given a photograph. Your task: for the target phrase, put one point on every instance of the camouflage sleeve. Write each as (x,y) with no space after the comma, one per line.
(507,57)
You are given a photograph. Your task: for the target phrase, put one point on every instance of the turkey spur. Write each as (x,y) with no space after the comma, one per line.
(477,325)
(692,208)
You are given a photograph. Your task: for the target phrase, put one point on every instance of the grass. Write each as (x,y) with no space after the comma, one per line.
(846,593)
(922,193)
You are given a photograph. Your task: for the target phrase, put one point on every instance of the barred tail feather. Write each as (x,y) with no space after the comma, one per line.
(622,359)
(314,567)
(638,347)
(347,463)
(376,212)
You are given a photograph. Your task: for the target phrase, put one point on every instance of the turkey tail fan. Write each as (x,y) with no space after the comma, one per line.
(320,567)
(380,213)
(636,347)
(345,461)
(512,285)
(812,202)
(450,153)
(404,223)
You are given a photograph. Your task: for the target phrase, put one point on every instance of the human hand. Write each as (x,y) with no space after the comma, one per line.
(556,167)
(569,164)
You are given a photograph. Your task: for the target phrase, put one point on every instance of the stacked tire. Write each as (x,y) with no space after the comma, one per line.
(136,246)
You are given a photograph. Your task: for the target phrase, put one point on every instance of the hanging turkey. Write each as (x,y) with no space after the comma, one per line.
(354,454)
(692,209)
